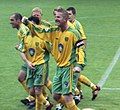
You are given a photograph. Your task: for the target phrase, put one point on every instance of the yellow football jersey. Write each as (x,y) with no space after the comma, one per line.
(34,49)
(63,46)
(23,31)
(76,24)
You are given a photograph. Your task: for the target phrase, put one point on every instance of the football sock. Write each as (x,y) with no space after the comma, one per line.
(79,86)
(30,98)
(93,86)
(62,100)
(40,100)
(83,79)
(49,86)
(71,106)
(77,92)
(44,91)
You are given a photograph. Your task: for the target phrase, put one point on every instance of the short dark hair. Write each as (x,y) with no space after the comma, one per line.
(17,16)
(71,9)
(34,19)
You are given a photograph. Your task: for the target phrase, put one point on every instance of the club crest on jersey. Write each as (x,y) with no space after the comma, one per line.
(66,38)
(31,51)
(60,47)
(37,44)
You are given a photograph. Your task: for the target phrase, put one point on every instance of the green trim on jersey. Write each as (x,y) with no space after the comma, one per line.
(45,23)
(75,32)
(77,25)
(23,31)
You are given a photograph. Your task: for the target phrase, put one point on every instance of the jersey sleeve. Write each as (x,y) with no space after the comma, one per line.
(77,38)
(23,31)
(21,46)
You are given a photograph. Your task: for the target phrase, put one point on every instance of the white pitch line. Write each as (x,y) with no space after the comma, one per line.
(109,69)
(112,89)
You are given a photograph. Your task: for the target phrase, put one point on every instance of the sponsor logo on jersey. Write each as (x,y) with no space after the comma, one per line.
(37,44)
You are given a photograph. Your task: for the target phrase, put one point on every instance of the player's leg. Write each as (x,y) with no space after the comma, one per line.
(22,79)
(79,90)
(95,89)
(39,82)
(49,85)
(57,89)
(69,82)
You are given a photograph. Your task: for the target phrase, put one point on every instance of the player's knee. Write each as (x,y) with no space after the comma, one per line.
(56,97)
(21,76)
(32,92)
(38,90)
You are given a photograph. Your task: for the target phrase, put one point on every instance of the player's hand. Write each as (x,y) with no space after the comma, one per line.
(30,65)
(24,19)
(77,69)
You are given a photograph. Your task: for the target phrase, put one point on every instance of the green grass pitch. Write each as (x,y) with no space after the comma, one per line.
(101,21)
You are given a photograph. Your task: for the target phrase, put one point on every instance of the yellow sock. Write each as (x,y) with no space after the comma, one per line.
(79,86)
(77,92)
(25,86)
(83,79)
(40,100)
(49,86)
(62,100)
(93,86)
(44,91)
(71,106)
(30,98)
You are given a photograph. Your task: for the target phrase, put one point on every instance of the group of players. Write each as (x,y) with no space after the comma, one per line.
(66,42)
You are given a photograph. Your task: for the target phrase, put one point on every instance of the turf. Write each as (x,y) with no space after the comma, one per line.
(101,21)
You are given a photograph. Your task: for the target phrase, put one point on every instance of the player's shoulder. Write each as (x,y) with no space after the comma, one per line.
(78,23)
(46,23)
(23,27)
(24,30)
(74,31)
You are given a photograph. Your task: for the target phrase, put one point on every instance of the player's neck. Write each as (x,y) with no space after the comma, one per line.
(73,21)
(64,27)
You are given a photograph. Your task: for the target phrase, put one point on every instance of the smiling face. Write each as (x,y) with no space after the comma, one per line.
(59,19)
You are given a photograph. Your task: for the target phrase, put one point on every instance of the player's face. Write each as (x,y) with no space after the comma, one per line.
(60,21)
(37,14)
(71,16)
(14,22)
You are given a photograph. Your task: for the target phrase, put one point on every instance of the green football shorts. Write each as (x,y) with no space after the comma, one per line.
(64,81)
(24,68)
(38,76)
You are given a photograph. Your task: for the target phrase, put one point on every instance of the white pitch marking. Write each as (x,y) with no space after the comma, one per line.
(109,69)
(112,89)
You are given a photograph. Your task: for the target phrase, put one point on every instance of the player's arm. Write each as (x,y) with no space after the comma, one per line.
(28,23)
(78,43)
(21,48)
(23,56)
(83,36)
